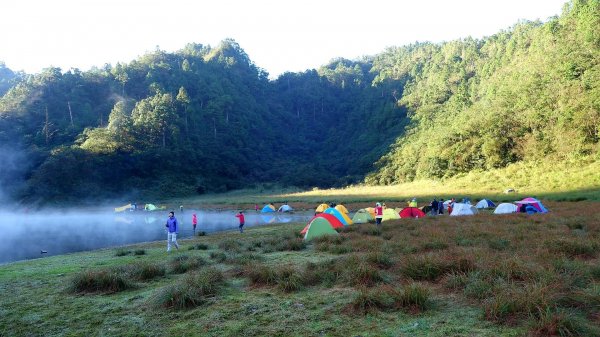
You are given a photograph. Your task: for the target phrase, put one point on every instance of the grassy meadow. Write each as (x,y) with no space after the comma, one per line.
(482,275)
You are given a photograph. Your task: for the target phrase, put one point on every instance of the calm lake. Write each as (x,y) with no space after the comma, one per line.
(25,236)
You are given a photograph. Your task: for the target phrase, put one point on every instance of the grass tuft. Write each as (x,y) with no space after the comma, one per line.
(193,290)
(104,281)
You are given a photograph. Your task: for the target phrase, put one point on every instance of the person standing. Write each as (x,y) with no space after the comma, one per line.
(171,231)
(378,215)
(194,221)
(240,216)
(434,206)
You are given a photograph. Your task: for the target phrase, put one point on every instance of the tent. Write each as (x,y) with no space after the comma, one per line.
(463,209)
(123,208)
(150,207)
(485,203)
(411,212)
(533,202)
(371,211)
(341,216)
(390,214)
(332,220)
(342,209)
(362,216)
(426,209)
(268,209)
(285,208)
(321,208)
(318,226)
(506,208)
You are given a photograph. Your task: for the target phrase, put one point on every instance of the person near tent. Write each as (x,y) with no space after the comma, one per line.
(171,231)
(434,206)
(378,215)
(413,203)
(194,221)
(451,205)
(240,216)
(181,209)
(256,207)
(441,206)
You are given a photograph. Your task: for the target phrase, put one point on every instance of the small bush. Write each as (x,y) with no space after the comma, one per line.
(434,245)
(183,263)
(498,244)
(199,246)
(561,323)
(478,288)
(456,280)
(193,290)
(230,245)
(201,233)
(145,271)
(361,274)
(321,273)
(105,280)
(122,252)
(260,274)
(423,268)
(218,256)
(380,259)
(572,248)
(139,252)
(293,244)
(372,300)
(414,298)
(288,279)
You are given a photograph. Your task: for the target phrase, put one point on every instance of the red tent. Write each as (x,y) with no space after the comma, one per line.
(333,221)
(411,212)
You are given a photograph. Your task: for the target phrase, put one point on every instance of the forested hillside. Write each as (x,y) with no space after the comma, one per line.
(207,119)
(529,93)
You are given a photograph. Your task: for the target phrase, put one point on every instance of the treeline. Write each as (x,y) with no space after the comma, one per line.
(529,93)
(206,119)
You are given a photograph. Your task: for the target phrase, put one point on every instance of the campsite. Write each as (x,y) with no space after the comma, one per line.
(485,274)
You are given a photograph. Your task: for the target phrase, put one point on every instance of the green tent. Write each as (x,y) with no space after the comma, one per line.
(362,216)
(319,227)
(390,214)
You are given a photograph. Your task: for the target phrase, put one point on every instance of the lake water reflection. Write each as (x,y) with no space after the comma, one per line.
(25,236)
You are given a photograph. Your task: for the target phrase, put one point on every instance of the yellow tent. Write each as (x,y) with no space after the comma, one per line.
(342,209)
(390,214)
(371,211)
(123,208)
(321,208)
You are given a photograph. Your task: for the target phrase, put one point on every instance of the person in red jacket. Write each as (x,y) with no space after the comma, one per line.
(378,215)
(240,216)
(194,221)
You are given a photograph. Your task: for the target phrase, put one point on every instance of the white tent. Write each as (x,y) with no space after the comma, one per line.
(463,209)
(506,208)
(285,208)
(485,203)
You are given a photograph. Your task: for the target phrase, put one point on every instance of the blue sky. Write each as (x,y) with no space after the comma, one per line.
(278,35)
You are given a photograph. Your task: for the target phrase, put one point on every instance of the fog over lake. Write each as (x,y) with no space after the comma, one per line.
(25,235)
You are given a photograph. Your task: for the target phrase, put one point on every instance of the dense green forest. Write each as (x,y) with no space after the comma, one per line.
(207,119)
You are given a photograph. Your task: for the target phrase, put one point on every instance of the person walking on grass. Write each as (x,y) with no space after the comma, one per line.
(171,231)
(378,215)
(240,216)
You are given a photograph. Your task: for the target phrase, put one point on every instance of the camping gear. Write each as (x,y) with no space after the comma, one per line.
(485,203)
(390,214)
(123,208)
(321,208)
(411,212)
(463,209)
(534,203)
(318,226)
(506,208)
(362,216)
(268,209)
(285,208)
(342,209)
(341,216)
(333,221)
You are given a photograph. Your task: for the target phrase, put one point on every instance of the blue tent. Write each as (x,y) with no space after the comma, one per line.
(336,214)
(485,203)
(267,209)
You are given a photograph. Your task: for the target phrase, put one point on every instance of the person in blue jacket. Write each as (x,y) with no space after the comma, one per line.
(171,231)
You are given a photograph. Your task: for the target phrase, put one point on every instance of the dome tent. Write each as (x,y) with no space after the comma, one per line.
(463,209)
(318,226)
(506,208)
(362,216)
(485,203)
(411,212)
(267,209)
(535,203)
